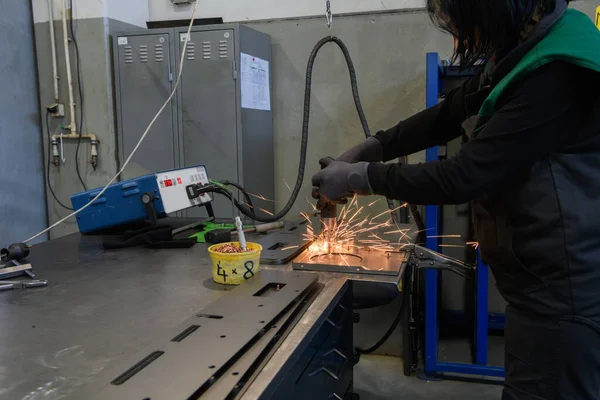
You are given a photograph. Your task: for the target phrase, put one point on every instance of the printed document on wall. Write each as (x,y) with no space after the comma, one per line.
(256,91)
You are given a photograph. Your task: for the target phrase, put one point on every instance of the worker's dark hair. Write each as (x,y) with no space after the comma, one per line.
(485,27)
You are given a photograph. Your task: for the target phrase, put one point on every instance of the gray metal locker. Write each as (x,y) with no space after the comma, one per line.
(143,81)
(233,142)
(206,123)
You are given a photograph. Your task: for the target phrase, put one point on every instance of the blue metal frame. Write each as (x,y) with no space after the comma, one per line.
(433,224)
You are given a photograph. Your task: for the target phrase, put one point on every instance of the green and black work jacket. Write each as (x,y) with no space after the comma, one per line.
(531,166)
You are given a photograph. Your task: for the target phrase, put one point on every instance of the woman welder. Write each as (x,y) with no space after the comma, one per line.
(531,168)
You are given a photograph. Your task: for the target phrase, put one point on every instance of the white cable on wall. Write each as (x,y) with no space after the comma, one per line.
(141,138)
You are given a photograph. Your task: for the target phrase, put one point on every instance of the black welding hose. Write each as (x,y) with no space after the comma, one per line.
(388,333)
(248,211)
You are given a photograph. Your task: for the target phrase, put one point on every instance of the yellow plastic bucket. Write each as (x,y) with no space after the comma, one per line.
(235,268)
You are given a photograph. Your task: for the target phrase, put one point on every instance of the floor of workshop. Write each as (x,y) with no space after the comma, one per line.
(381,378)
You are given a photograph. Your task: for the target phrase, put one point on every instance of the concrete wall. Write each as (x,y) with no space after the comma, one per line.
(134,12)
(93,28)
(388,51)
(22,199)
(244,10)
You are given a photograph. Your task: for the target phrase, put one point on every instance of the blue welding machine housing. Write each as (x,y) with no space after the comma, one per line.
(121,203)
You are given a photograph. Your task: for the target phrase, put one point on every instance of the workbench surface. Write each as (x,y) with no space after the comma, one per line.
(102,306)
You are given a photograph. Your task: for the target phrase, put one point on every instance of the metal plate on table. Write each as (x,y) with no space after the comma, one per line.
(361,261)
(208,346)
(249,366)
(281,247)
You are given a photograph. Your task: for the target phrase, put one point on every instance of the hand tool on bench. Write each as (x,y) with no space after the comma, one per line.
(9,285)
(227,235)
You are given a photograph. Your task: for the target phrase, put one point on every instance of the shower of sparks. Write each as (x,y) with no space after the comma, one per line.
(305,216)
(286,185)
(246,204)
(261,197)
(311,204)
(425,230)
(355,230)
(444,237)
(265,211)
(475,245)
(373,203)
(389,212)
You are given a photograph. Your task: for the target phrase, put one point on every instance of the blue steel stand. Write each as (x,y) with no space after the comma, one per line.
(433,214)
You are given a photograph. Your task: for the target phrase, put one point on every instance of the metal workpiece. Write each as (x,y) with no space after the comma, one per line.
(281,247)
(348,258)
(208,346)
(361,261)
(333,289)
(250,365)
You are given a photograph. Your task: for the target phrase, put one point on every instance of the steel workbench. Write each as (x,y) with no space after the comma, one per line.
(100,307)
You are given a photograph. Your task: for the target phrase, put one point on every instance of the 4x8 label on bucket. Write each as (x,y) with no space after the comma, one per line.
(234,268)
(247,274)
(249,265)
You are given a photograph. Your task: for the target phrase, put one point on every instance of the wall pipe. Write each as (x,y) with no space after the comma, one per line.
(72,126)
(74,136)
(53,45)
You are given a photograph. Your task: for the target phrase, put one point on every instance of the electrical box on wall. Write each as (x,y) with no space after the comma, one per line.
(221,116)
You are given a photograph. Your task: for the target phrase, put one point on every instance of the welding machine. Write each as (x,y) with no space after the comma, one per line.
(147,197)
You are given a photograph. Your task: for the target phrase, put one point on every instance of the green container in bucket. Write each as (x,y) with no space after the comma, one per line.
(235,268)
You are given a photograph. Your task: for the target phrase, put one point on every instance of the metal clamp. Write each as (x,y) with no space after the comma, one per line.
(423,257)
(329,15)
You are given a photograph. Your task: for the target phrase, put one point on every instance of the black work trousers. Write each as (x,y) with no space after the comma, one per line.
(551,358)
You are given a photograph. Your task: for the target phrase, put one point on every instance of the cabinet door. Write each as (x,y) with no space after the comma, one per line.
(144,82)
(208,109)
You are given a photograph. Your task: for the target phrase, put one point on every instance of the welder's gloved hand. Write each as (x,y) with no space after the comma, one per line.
(369,150)
(340,180)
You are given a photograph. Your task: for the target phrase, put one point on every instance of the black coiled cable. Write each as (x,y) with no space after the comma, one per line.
(248,211)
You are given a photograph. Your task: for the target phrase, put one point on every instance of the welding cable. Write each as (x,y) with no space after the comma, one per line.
(389,332)
(460,272)
(304,144)
(80,89)
(140,141)
(242,190)
(60,203)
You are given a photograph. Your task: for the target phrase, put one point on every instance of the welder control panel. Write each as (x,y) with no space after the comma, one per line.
(172,187)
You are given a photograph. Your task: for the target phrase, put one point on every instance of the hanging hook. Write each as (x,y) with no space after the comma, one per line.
(329,15)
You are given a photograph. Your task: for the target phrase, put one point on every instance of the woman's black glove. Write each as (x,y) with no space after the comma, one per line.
(340,180)
(369,150)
